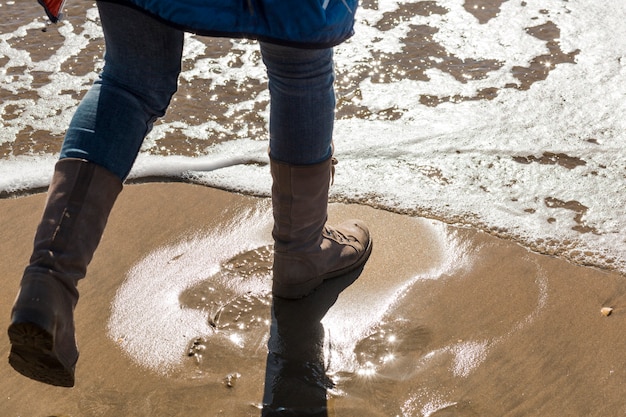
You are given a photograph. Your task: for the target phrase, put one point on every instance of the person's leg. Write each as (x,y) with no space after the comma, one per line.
(140,75)
(141,67)
(306,250)
(302,110)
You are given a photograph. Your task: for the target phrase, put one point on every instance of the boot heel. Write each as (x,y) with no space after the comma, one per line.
(30,328)
(32,355)
(34,325)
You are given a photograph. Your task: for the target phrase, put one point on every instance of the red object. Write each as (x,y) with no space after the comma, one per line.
(53,9)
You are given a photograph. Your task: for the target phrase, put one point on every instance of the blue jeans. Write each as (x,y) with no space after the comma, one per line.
(140,75)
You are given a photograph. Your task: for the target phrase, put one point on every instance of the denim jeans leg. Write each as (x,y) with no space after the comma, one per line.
(140,75)
(302,108)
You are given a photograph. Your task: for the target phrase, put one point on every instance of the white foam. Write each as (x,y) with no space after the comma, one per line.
(36,172)
(453,161)
(468,356)
(147,320)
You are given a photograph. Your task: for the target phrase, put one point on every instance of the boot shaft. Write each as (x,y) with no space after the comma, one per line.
(306,250)
(299,202)
(80,198)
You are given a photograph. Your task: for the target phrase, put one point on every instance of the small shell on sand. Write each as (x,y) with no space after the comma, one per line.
(230,379)
(606,311)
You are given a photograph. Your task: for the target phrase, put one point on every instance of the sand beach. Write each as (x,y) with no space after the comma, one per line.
(442,321)
(481,140)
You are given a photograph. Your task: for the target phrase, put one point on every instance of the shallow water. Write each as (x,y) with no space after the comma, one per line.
(503,115)
(388,344)
(436,325)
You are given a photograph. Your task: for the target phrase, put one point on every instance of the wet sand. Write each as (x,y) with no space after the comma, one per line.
(441,321)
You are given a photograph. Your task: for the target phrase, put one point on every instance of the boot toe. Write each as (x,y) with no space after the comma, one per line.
(357,231)
(351,233)
(352,245)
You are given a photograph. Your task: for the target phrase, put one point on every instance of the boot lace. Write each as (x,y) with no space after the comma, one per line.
(337,235)
(333,162)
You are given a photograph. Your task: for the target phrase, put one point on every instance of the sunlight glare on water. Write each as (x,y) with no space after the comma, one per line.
(517,114)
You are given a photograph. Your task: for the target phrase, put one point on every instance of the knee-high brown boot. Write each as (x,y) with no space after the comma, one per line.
(80,198)
(306,250)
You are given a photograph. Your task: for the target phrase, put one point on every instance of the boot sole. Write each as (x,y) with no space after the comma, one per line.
(302,290)
(32,355)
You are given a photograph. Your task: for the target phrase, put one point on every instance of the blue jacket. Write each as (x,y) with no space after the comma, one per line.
(300,23)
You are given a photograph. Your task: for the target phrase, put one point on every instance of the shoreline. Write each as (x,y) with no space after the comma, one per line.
(559,250)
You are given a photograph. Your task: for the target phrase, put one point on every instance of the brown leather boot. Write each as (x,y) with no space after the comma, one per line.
(80,198)
(306,250)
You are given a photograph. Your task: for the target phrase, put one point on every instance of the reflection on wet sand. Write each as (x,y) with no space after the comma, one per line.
(296,383)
